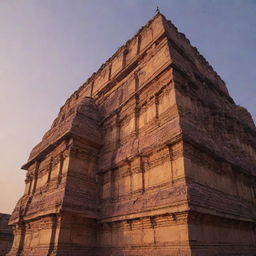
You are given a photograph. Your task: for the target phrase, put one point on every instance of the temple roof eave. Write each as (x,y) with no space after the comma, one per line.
(46,150)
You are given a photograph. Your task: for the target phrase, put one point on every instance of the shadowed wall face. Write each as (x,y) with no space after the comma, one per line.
(6,236)
(142,160)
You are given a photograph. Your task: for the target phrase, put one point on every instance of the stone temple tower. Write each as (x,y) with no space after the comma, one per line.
(150,156)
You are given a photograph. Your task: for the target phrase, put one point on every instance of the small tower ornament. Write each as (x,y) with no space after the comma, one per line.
(157,10)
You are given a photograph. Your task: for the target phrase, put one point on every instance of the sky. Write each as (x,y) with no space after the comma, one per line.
(48,48)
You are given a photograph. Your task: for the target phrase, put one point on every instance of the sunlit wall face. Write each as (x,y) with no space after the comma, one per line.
(48,48)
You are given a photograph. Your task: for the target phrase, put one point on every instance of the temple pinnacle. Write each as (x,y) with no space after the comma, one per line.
(157,10)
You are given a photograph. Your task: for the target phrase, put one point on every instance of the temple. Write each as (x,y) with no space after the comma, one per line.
(150,156)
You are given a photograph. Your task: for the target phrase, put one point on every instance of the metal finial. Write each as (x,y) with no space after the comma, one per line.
(157,10)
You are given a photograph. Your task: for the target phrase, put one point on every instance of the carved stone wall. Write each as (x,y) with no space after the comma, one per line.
(150,156)
(219,157)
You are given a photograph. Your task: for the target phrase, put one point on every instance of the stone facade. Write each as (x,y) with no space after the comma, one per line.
(6,236)
(150,156)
